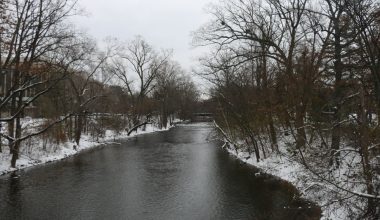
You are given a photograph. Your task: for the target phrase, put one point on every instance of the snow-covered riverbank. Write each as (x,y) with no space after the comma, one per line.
(37,155)
(284,166)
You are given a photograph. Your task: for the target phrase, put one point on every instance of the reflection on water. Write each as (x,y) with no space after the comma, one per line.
(177,174)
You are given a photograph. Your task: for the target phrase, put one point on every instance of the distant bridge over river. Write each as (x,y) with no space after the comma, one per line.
(202,117)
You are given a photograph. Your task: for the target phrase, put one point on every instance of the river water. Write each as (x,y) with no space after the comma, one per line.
(178,174)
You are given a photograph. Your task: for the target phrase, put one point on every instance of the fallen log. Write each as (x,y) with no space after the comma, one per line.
(137,126)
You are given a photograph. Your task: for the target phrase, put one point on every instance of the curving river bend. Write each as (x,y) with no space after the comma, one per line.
(177,174)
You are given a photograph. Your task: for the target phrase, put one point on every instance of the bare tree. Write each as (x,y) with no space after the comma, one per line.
(146,63)
(265,33)
(91,62)
(303,68)
(34,46)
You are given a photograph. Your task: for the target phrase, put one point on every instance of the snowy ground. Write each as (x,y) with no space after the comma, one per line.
(36,156)
(284,166)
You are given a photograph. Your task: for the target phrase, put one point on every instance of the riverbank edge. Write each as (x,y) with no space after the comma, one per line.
(293,173)
(26,162)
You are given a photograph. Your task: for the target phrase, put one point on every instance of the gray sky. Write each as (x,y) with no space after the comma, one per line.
(163,23)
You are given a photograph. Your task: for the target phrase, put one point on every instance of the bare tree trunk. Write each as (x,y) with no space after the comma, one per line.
(255,147)
(262,147)
(44,141)
(16,146)
(272,131)
(364,143)
(1,143)
(78,128)
(337,96)
(287,117)
(135,128)
(11,124)
(335,142)
(300,127)
(17,143)
(70,128)
(84,125)
(164,115)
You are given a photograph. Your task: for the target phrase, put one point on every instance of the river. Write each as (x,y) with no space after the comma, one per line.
(177,174)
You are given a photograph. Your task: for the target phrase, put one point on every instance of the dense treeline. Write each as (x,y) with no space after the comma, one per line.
(305,70)
(51,71)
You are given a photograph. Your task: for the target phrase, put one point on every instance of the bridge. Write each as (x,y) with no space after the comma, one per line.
(202,117)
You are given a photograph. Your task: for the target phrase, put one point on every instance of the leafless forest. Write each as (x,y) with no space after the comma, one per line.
(52,71)
(294,79)
(304,70)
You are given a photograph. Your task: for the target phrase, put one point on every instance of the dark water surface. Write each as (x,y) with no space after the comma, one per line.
(178,174)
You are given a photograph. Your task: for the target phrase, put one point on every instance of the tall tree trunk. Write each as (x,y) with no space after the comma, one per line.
(272,131)
(16,146)
(268,104)
(11,124)
(70,128)
(300,126)
(164,115)
(337,96)
(17,143)
(376,78)
(255,147)
(78,128)
(335,141)
(364,145)
(1,143)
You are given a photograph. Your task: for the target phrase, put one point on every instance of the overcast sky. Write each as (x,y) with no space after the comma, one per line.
(163,23)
